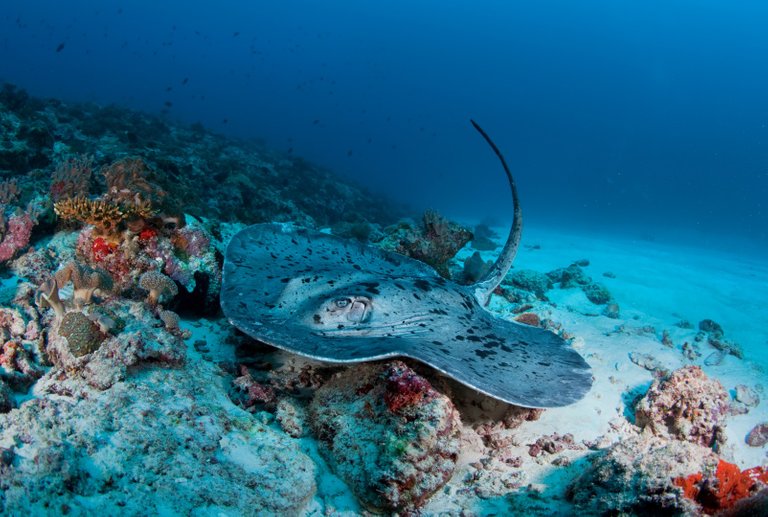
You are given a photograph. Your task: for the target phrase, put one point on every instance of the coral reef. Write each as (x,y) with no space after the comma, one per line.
(387,433)
(216,177)
(435,241)
(686,405)
(193,452)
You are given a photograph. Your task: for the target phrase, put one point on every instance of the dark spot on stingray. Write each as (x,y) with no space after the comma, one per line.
(440,281)
(459,338)
(294,241)
(470,330)
(415,295)
(438,311)
(422,284)
(285,280)
(339,326)
(317,318)
(269,305)
(491,344)
(475,339)
(484,353)
(306,280)
(544,363)
(371,287)
(357,267)
(505,348)
(399,286)
(438,343)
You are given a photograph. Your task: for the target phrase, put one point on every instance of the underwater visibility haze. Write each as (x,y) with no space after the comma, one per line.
(255,260)
(641,118)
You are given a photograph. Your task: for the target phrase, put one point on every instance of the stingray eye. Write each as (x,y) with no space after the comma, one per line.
(342,302)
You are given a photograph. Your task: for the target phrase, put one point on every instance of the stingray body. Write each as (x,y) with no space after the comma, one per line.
(338,300)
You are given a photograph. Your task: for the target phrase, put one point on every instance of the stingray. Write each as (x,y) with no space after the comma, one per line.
(342,301)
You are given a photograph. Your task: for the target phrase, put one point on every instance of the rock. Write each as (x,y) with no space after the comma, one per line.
(758,436)
(611,310)
(292,417)
(635,477)
(384,430)
(715,358)
(581,262)
(529,318)
(572,276)
(686,405)
(531,281)
(711,327)
(169,442)
(647,361)
(552,444)
(6,397)
(747,396)
(609,274)
(727,347)
(597,293)
(475,268)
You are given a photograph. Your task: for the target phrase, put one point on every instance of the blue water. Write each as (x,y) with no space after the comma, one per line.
(642,118)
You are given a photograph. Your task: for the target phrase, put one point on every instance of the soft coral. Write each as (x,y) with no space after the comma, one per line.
(724,489)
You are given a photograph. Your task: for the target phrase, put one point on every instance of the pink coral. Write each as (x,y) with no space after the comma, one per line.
(686,405)
(16,237)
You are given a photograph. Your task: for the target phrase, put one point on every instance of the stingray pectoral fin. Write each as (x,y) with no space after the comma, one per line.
(521,365)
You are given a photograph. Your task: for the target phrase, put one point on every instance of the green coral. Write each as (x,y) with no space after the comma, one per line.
(82,334)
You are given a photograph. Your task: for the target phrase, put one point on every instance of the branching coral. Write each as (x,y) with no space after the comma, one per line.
(103,215)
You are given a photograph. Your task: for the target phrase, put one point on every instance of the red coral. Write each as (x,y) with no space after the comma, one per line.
(147,233)
(101,249)
(725,489)
(405,388)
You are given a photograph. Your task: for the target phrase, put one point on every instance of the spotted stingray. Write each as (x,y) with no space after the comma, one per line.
(342,301)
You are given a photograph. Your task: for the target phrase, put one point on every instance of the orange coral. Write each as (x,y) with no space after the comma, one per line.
(728,486)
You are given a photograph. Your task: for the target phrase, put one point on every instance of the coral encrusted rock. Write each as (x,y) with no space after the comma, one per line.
(686,405)
(636,477)
(391,436)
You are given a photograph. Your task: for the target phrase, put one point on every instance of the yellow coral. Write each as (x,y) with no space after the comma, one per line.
(103,215)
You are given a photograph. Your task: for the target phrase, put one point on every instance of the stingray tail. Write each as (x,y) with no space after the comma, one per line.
(484,287)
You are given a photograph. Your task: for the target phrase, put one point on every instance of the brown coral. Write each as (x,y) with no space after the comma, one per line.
(158,285)
(104,216)
(86,281)
(47,295)
(128,184)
